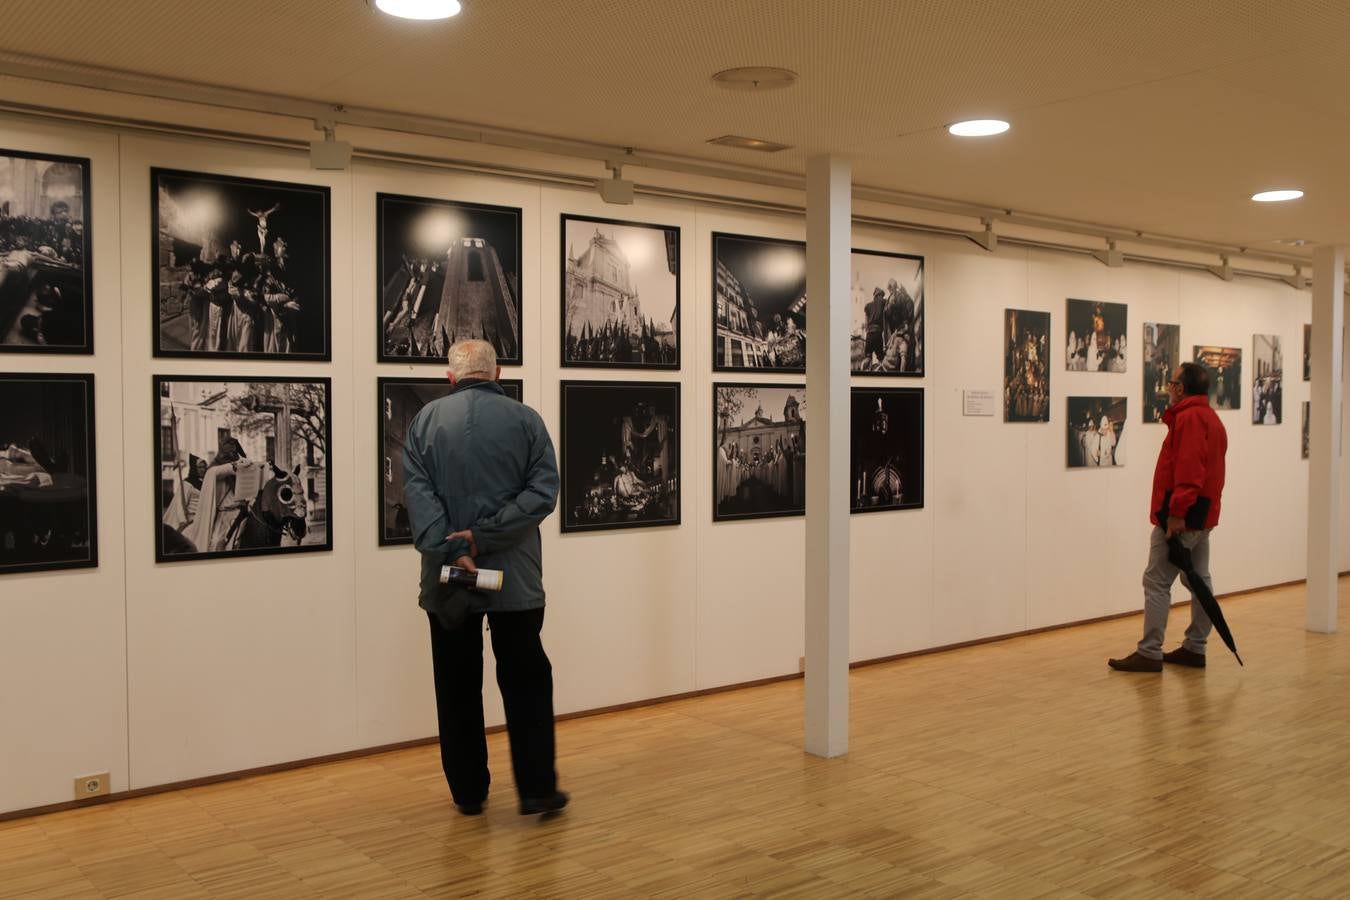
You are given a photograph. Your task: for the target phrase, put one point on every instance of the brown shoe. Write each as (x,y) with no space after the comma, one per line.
(1183,657)
(1135,663)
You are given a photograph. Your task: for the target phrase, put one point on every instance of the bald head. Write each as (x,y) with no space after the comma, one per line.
(472,359)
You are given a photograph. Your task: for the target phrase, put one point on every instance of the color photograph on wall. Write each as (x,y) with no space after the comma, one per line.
(447,271)
(759,299)
(1307,406)
(887,329)
(621,294)
(1224,365)
(46,277)
(241,268)
(620,454)
(1307,353)
(400,400)
(1267,380)
(1162,355)
(241,466)
(48,509)
(886,449)
(759,451)
(1026,366)
(1096,339)
(1096,432)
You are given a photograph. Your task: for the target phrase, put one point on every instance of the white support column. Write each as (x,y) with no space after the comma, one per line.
(1324,437)
(829,212)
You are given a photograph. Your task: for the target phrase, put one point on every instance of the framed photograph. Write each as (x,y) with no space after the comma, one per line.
(887,331)
(447,271)
(759,450)
(241,466)
(620,454)
(1307,406)
(886,449)
(1096,340)
(48,509)
(46,260)
(620,294)
(1096,432)
(400,400)
(759,294)
(1026,366)
(1307,352)
(1162,355)
(1267,380)
(242,268)
(1225,375)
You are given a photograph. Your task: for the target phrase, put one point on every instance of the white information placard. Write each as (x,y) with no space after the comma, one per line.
(978,403)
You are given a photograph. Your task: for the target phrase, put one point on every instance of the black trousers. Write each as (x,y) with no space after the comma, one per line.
(525,677)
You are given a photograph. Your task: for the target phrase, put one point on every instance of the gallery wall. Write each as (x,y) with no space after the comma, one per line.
(160,672)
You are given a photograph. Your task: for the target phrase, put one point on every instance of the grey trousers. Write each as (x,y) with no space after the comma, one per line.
(1158,578)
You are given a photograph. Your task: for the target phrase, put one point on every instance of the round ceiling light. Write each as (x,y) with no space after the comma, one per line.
(1277,196)
(754,78)
(422,10)
(978,127)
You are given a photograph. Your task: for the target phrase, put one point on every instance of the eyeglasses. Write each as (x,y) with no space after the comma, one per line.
(1174,384)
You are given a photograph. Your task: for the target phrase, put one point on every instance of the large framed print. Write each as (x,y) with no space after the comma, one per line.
(447,271)
(759,450)
(241,466)
(1224,365)
(1096,432)
(46,259)
(1162,355)
(759,298)
(400,400)
(887,330)
(1026,366)
(1267,380)
(620,454)
(48,496)
(1096,341)
(886,449)
(620,294)
(241,268)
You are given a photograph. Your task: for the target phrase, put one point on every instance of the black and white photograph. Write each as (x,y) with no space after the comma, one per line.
(1267,380)
(620,454)
(448,271)
(887,329)
(1096,432)
(242,268)
(400,400)
(1026,366)
(759,452)
(46,277)
(241,466)
(759,293)
(1162,355)
(886,449)
(1225,374)
(1096,336)
(1307,407)
(48,514)
(621,294)
(1307,353)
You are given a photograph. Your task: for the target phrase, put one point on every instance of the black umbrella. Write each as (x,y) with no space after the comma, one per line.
(1180,557)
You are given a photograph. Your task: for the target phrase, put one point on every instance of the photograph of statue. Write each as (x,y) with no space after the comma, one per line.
(1096,340)
(1026,366)
(887,330)
(886,449)
(759,450)
(1096,432)
(759,299)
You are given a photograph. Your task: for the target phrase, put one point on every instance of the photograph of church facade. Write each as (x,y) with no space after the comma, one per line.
(759,453)
(759,292)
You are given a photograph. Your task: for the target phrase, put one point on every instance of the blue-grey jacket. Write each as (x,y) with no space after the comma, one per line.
(478,460)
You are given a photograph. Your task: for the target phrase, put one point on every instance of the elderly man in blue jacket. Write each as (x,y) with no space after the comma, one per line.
(479,477)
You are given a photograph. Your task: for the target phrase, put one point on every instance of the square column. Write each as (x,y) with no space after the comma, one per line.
(1324,437)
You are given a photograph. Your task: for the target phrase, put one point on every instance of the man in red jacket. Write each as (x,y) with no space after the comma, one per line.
(1187,487)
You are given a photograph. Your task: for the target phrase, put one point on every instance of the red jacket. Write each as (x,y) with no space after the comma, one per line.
(1188,481)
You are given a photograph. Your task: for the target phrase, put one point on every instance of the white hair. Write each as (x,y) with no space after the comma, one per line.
(472,359)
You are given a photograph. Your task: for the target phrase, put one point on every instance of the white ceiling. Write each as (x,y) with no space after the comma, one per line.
(1159,115)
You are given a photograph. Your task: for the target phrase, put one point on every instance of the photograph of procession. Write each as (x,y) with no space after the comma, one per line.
(1096,340)
(46,286)
(1267,380)
(759,454)
(886,449)
(1162,355)
(1026,366)
(1096,432)
(759,292)
(242,268)
(242,466)
(1224,365)
(887,331)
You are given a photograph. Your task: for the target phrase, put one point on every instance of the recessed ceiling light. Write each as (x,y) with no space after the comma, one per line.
(749,143)
(754,78)
(424,10)
(1276,196)
(978,127)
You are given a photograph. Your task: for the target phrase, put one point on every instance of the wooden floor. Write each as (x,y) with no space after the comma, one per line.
(1018,769)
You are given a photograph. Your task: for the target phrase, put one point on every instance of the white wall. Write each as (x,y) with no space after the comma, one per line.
(163,672)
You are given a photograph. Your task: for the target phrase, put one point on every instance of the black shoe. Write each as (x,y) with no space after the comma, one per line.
(533,806)
(1183,657)
(1135,663)
(470,809)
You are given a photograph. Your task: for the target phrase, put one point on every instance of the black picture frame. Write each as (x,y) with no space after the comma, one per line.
(15,500)
(503,226)
(725,242)
(793,475)
(390,470)
(870,450)
(55,272)
(580,415)
(158,382)
(317,272)
(915,326)
(671,237)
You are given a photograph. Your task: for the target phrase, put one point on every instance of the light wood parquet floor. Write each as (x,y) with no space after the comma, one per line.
(1018,769)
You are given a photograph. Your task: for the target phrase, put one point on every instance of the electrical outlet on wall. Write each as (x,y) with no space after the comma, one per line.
(95,785)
